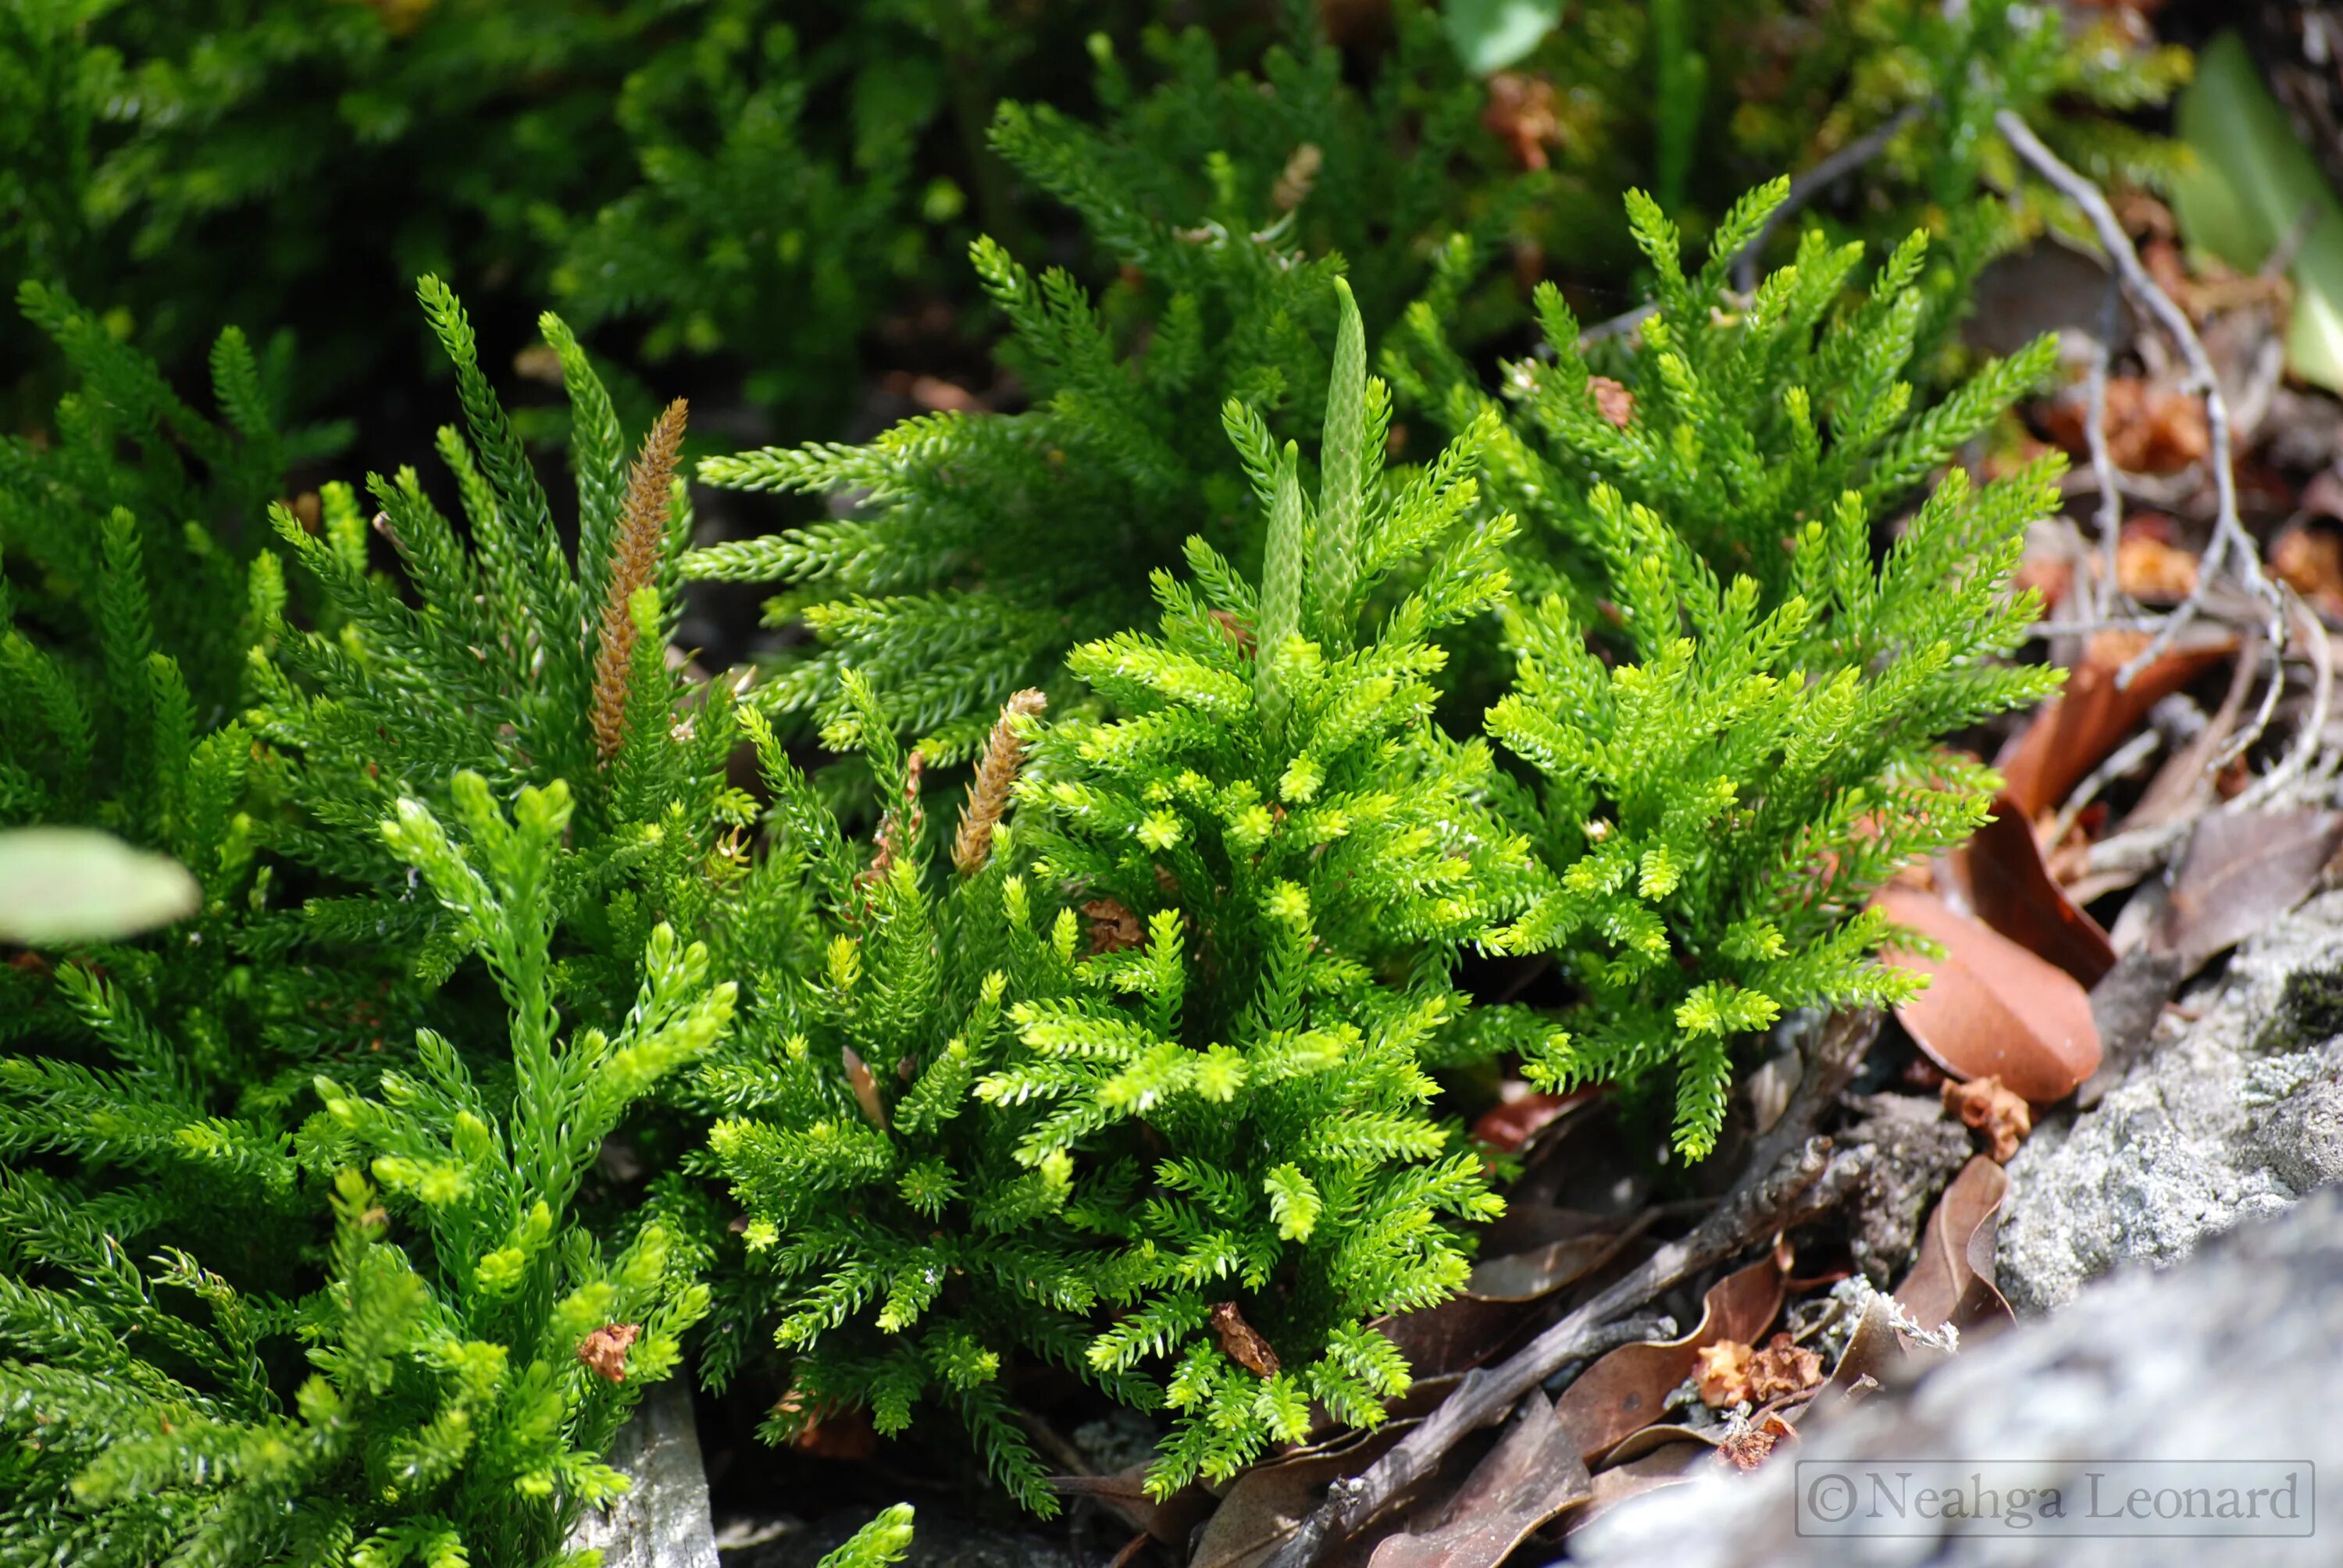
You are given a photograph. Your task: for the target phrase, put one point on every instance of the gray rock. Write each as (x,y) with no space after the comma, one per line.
(663,1520)
(2231,1117)
(2228,1356)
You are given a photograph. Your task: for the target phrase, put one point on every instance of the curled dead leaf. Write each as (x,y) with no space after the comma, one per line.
(2001,873)
(1992,1008)
(1983,1105)
(1114,927)
(1242,1343)
(1953,1280)
(605,1350)
(2074,731)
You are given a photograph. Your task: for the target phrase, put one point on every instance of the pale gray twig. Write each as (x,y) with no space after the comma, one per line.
(2229,537)
(2122,761)
(2111,596)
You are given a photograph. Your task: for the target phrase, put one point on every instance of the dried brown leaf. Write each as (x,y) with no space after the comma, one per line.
(2001,873)
(1533,1475)
(1628,1388)
(1241,1341)
(1522,1113)
(1668,1466)
(1953,1280)
(2240,872)
(2074,731)
(1991,1007)
(1169,1519)
(605,1350)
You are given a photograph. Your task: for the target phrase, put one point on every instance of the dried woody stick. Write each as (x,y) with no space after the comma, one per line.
(2231,545)
(635,559)
(1792,1175)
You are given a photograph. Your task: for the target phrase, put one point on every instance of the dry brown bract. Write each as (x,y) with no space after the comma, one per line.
(1243,1344)
(2003,1117)
(605,1350)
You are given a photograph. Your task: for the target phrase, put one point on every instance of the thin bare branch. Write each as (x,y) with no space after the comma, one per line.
(2110,598)
(2231,546)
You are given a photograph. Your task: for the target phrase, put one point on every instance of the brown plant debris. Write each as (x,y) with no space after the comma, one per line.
(2150,565)
(1723,1371)
(1114,927)
(996,775)
(2004,1118)
(1522,114)
(1746,1447)
(859,1079)
(1300,172)
(1783,1369)
(605,1350)
(828,1431)
(2151,428)
(1242,1342)
(1612,400)
(899,828)
(634,559)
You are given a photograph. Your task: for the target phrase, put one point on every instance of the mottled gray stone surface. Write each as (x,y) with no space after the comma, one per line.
(2236,1353)
(2229,1118)
(662,1521)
